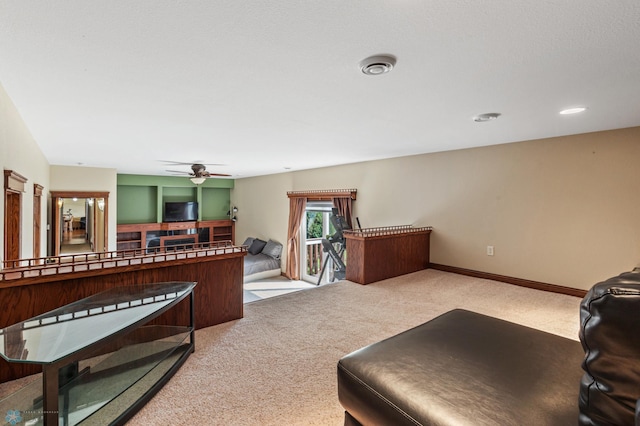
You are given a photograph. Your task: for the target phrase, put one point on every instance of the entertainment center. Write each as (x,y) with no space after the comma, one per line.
(167,235)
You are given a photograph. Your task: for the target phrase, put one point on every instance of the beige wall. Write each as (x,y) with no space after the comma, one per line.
(94,179)
(563,210)
(19,152)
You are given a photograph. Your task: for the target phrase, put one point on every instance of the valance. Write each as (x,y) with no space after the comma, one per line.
(323,194)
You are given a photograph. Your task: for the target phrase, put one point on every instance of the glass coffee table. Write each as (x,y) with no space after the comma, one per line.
(101,359)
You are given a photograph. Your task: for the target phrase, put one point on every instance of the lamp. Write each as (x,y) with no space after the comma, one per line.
(198,180)
(232,213)
(101,204)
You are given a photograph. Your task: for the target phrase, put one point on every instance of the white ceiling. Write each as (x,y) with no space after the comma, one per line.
(261,86)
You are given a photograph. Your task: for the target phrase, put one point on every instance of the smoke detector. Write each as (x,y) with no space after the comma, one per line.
(376,65)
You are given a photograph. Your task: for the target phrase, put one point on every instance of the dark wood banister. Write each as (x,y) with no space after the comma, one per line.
(48,266)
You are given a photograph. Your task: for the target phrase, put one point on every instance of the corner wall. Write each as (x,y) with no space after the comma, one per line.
(20,152)
(563,211)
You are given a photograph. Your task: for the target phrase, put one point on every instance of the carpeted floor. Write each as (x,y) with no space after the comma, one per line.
(277,365)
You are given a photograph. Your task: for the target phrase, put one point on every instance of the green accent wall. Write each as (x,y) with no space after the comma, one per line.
(215,203)
(141,198)
(137,204)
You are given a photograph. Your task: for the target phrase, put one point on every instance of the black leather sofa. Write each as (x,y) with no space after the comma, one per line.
(464,368)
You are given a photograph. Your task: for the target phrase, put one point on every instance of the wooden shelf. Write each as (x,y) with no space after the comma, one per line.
(173,234)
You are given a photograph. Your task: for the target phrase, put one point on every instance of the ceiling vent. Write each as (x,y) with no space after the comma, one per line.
(376,65)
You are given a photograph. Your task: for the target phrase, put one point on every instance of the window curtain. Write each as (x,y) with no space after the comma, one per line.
(297,206)
(343,204)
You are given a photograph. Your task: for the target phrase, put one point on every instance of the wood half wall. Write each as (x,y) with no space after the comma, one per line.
(218,294)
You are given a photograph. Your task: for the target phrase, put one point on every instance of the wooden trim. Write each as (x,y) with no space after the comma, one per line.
(323,194)
(511,280)
(37,218)
(56,196)
(79,194)
(37,190)
(14,181)
(384,231)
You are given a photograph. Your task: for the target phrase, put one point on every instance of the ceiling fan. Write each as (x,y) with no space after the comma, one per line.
(198,172)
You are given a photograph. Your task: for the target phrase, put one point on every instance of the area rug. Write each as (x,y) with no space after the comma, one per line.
(277,365)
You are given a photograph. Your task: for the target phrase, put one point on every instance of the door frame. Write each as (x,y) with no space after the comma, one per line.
(56,217)
(37,219)
(325,209)
(14,185)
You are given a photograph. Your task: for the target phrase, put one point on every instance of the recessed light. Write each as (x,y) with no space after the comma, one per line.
(489,116)
(376,65)
(575,110)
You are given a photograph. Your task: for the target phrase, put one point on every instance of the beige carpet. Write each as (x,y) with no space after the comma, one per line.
(277,365)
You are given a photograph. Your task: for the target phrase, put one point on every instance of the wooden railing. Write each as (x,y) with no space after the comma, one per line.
(314,256)
(385,230)
(47,266)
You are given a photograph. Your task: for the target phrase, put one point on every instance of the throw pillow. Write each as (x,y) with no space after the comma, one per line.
(256,246)
(273,249)
(248,241)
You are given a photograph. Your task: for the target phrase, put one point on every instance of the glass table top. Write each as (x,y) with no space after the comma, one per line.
(54,335)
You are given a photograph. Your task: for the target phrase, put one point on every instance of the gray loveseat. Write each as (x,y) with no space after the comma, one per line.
(463,368)
(262,259)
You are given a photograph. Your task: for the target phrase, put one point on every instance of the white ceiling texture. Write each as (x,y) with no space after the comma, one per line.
(262,87)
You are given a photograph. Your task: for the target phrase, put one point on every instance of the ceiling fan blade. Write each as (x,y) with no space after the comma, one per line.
(179,172)
(217,174)
(183,163)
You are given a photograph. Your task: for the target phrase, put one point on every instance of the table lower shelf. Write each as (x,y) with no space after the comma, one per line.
(110,387)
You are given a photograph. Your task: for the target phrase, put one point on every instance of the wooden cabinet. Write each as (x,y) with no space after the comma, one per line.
(149,236)
(375,254)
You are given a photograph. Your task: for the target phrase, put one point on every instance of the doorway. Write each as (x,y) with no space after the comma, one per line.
(79,222)
(315,226)
(76,235)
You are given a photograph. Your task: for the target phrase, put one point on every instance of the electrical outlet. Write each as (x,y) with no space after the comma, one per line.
(489,250)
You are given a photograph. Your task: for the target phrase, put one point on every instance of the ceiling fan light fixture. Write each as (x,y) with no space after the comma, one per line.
(198,180)
(376,65)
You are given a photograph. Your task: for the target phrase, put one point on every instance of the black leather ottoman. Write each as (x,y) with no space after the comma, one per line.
(463,368)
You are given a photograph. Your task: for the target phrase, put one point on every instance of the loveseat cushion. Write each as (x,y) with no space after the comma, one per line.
(463,368)
(610,336)
(256,246)
(273,249)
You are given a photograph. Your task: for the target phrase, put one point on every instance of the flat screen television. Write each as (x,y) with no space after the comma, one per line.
(186,211)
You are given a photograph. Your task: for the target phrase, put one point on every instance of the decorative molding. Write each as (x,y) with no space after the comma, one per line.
(14,181)
(79,194)
(323,194)
(37,190)
(385,230)
(511,280)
